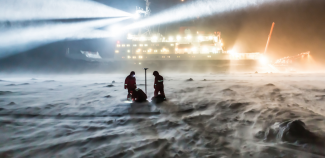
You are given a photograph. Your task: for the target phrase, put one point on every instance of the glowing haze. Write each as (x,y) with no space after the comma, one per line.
(20,10)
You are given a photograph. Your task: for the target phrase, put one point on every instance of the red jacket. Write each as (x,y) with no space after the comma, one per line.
(159,81)
(130,83)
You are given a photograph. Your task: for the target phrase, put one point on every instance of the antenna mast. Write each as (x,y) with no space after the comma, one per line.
(268,40)
(145,14)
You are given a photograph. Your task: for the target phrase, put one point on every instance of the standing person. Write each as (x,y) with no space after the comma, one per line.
(130,84)
(159,85)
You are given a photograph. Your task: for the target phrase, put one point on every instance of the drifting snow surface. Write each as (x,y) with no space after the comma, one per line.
(223,115)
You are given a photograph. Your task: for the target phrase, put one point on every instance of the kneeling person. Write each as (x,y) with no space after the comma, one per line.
(138,95)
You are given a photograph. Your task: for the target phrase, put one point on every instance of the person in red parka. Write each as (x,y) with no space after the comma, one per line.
(130,84)
(159,85)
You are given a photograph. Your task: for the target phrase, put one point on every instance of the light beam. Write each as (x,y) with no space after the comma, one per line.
(20,39)
(197,8)
(24,10)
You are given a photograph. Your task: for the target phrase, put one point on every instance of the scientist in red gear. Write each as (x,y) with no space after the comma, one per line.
(130,84)
(159,85)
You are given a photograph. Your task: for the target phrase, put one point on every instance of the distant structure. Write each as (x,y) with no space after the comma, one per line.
(188,44)
(84,55)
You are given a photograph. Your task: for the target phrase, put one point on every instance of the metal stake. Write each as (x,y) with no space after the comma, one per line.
(145,74)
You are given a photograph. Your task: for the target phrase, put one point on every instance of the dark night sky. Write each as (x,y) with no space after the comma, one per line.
(299,27)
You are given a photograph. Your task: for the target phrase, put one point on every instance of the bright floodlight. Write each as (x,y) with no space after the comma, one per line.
(231,52)
(178,37)
(170,38)
(189,37)
(136,16)
(205,49)
(154,38)
(263,60)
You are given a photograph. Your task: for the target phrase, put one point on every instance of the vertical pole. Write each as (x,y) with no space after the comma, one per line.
(145,74)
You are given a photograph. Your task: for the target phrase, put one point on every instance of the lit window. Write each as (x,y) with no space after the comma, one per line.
(139,63)
(128,45)
(146,45)
(163,57)
(123,45)
(116,51)
(138,50)
(171,44)
(118,45)
(178,37)
(140,57)
(128,51)
(155,51)
(129,57)
(168,56)
(134,45)
(141,45)
(134,57)
(149,50)
(189,37)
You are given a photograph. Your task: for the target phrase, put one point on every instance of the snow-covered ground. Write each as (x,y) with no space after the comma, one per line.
(220,115)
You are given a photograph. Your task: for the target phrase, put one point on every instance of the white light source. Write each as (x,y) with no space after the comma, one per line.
(232,52)
(263,60)
(200,38)
(170,38)
(205,49)
(178,37)
(154,38)
(189,37)
(136,16)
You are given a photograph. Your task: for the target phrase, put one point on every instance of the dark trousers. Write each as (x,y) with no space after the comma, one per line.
(159,89)
(130,90)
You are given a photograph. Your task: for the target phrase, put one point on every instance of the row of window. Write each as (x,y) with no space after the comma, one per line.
(141,45)
(141,57)
(144,51)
